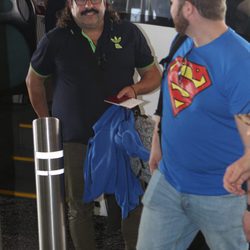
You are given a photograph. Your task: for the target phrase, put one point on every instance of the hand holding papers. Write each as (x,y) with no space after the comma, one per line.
(124,101)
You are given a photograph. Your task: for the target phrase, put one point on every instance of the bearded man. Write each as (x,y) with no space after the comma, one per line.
(206,96)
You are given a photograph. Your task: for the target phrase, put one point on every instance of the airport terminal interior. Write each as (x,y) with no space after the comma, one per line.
(22,23)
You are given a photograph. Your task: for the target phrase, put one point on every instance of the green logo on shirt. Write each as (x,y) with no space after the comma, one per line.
(116,41)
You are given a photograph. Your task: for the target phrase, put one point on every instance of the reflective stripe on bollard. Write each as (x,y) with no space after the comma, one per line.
(49,171)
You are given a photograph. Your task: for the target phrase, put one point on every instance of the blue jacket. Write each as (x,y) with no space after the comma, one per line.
(107,166)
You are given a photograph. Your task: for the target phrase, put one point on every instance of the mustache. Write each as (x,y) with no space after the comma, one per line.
(84,12)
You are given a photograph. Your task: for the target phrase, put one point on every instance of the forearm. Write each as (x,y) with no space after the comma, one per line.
(150,80)
(243,125)
(239,171)
(39,102)
(157,120)
(155,141)
(155,154)
(37,94)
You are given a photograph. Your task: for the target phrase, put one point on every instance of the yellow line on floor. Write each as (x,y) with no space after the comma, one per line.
(17,194)
(24,125)
(20,158)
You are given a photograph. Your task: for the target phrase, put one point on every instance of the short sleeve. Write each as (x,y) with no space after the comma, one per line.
(143,55)
(43,58)
(238,87)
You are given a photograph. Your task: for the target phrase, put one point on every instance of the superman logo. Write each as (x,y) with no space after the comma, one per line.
(185,81)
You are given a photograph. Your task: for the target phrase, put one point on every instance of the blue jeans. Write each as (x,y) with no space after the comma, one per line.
(170,219)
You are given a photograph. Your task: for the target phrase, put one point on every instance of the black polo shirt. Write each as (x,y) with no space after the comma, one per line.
(85,75)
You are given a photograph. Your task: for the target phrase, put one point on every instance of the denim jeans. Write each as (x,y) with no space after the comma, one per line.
(170,219)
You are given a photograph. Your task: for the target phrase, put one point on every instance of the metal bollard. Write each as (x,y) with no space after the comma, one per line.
(49,171)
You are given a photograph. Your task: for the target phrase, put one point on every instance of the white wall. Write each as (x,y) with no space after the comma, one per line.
(159,39)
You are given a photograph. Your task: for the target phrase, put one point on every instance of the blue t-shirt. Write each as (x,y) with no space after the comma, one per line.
(204,88)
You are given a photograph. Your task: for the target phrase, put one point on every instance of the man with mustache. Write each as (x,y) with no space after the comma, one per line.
(204,90)
(92,55)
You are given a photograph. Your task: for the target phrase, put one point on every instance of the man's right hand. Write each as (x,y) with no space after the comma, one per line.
(236,174)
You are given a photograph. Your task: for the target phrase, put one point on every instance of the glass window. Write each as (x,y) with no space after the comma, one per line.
(145,11)
(158,12)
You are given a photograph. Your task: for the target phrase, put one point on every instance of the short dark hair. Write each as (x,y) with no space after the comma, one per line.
(210,9)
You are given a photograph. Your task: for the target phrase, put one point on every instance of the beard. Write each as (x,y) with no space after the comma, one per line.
(180,22)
